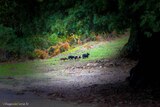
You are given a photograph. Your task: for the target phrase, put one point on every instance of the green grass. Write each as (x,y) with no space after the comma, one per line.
(101,50)
(30,68)
(17,69)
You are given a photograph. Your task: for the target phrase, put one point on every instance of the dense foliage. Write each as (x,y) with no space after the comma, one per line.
(26,25)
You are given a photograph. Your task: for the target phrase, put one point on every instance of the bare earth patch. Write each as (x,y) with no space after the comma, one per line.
(98,83)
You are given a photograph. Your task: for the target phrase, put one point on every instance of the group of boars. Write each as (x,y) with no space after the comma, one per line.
(72,57)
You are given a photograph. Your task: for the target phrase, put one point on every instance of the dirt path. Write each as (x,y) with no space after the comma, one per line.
(98,83)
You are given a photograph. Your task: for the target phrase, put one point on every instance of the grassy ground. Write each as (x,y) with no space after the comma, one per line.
(97,50)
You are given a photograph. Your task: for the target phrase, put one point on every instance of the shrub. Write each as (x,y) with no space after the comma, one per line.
(42,54)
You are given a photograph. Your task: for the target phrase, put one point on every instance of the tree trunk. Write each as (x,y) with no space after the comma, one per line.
(131,49)
(146,72)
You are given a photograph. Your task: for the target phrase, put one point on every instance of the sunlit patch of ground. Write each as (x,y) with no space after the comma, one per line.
(98,81)
(74,82)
